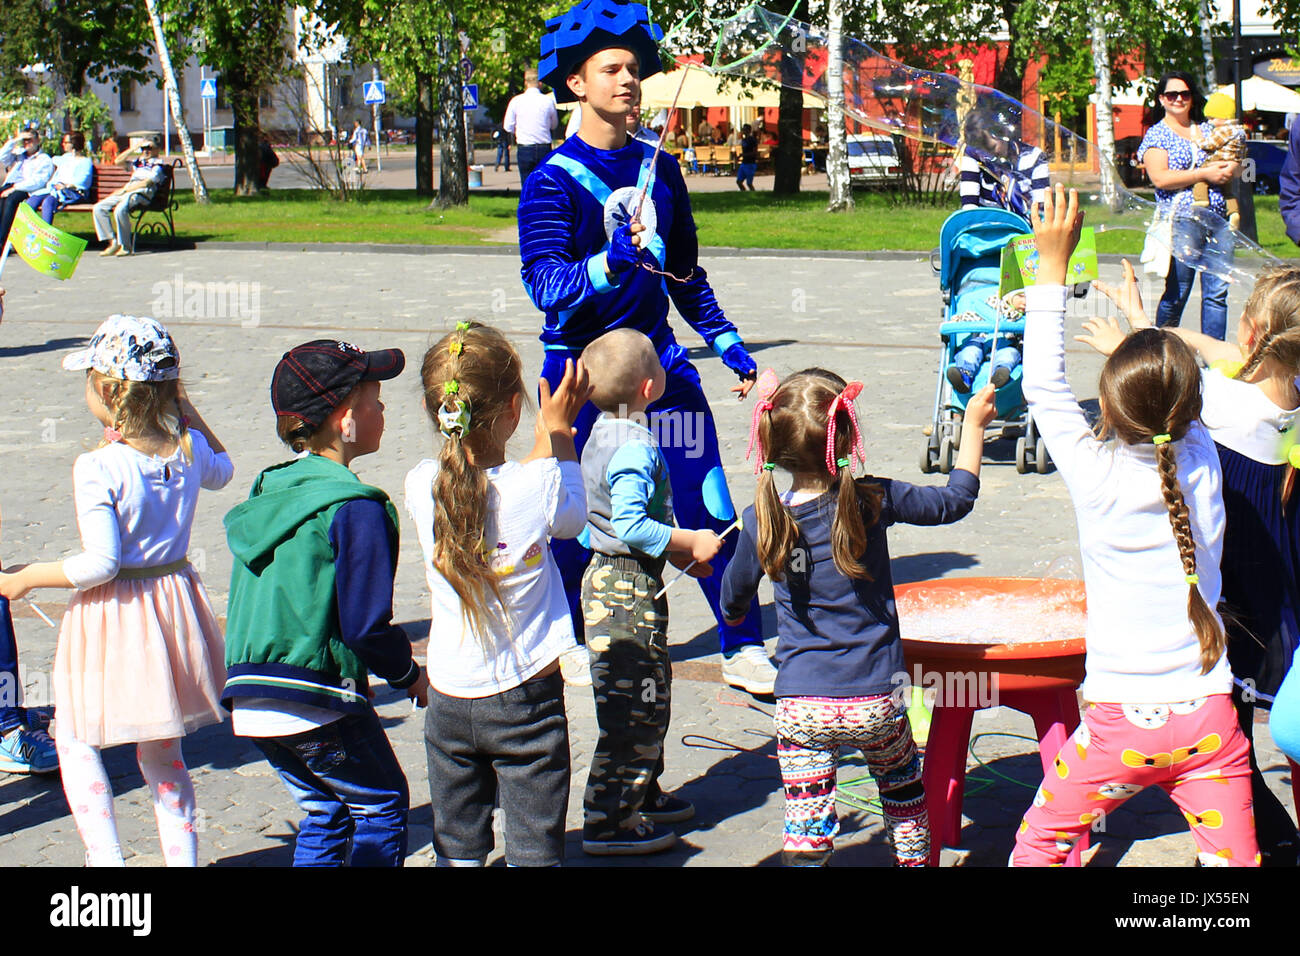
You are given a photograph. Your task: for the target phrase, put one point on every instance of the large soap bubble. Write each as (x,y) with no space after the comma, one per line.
(943,115)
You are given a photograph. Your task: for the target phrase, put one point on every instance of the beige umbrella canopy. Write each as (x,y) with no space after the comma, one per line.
(702,88)
(1258,93)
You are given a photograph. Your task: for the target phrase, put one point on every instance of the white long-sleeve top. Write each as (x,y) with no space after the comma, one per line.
(136,510)
(1142,649)
(530,502)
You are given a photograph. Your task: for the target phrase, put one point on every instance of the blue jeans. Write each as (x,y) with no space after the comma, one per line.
(347,778)
(1204,245)
(11,715)
(503,150)
(971,355)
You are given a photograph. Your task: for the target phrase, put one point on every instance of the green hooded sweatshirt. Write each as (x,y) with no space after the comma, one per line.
(282,626)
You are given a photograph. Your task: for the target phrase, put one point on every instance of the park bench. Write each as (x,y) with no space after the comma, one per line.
(110,177)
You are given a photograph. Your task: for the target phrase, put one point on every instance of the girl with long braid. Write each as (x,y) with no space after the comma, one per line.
(1251,409)
(1149,503)
(495,732)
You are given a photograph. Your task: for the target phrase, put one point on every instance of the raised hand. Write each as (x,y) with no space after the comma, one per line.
(1056,233)
(1127,298)
(1102,334)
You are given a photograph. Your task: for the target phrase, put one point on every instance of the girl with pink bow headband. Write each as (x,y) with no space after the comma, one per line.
(822,543)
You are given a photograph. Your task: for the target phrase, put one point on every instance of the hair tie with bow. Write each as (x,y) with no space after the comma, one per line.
(857,451)
(766,386)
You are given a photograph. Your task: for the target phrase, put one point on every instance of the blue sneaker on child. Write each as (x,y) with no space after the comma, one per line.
(959,379)
(24,750)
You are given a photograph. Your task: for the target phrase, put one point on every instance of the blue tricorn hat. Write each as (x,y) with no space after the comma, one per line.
(589,27)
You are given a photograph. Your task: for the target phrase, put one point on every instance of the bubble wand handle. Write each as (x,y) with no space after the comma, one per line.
(686,570)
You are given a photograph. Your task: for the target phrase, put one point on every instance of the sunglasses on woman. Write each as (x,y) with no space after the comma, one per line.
(1176,95)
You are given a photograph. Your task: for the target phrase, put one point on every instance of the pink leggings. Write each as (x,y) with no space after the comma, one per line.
(1193,750)
(90,796)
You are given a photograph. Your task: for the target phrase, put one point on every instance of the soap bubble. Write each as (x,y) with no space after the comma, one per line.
(939,116)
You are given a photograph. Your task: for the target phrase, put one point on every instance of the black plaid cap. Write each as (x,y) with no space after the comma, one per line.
(311,379)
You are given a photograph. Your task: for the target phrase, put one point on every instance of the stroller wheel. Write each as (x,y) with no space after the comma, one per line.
(1042,461)
(1022,464)
(946,455)
(927,459)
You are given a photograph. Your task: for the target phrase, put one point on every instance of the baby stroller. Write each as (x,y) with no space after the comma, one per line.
(968,264)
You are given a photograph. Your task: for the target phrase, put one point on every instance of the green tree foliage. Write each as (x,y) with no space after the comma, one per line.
(77,40)
(249,43)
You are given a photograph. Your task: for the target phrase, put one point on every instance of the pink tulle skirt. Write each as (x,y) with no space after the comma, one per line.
(139,659)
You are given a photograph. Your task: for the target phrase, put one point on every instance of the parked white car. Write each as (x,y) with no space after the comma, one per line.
(873,160)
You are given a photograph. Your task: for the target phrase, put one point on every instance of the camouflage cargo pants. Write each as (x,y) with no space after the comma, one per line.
(627,636)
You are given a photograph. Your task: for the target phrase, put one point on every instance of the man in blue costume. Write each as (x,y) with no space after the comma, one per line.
(596,258)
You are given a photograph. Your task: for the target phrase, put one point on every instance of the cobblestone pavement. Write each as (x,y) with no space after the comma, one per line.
(869,320)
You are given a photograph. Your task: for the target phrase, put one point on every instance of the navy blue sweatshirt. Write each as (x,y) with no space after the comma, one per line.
(839,635)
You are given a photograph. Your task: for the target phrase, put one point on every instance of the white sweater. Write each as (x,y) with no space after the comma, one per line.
(1142,648)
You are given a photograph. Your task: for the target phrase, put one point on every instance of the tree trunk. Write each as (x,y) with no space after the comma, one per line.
(177,109)
(1011,74)
(1105,108)
(1207,47)
(424,119)
(837,156)
(787,159)
(243,103)
(453,180)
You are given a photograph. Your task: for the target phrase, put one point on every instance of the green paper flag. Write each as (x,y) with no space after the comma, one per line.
(1020,262)
(44,248)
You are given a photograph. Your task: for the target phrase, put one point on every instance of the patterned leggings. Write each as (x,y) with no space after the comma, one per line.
(809,734)
(90,796)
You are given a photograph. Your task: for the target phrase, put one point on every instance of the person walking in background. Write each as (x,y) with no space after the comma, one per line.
(360,140)
(530,118)
(502,139)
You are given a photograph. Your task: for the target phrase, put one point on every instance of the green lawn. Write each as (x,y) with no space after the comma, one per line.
(741,220)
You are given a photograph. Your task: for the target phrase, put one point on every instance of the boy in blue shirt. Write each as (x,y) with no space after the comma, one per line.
(630,532)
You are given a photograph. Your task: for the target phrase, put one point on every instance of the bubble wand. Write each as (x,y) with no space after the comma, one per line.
(659,146)
(684,571)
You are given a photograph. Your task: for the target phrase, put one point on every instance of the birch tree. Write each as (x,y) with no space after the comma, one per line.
(177,109)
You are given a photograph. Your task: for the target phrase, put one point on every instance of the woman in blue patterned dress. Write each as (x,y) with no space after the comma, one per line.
(1202,242)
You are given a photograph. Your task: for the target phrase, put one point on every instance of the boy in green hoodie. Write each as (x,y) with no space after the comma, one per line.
(311,606)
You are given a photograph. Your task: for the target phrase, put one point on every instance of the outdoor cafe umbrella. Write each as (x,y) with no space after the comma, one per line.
(1258,93)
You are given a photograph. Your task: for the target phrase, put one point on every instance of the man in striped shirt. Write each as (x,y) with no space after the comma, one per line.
(997,169)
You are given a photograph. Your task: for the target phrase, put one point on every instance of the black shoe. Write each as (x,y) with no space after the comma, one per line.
(805,858)
(667,808)
(1001,375)
(959,380)
(645,837)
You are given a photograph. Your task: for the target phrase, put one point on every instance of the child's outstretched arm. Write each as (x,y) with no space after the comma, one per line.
(980,410)
(740,580)
(1105,334)
(1060,420)
(557,412)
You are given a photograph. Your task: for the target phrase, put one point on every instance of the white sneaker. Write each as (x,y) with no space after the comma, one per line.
(750,670)
(575,667)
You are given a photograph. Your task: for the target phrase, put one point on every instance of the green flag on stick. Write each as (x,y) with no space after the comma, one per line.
(43,247)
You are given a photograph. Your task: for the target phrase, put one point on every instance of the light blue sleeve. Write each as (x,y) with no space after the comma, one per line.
(631,486)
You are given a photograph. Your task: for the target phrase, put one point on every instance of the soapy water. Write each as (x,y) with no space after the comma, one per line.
(990,617)
(937,110)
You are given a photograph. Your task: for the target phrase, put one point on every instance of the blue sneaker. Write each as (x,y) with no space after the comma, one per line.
(23,750)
